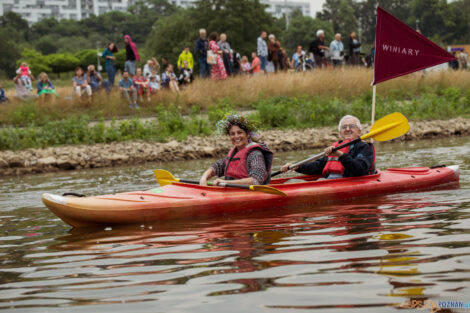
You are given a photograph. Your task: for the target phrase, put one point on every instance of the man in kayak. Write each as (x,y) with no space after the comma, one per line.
(354,160)
(248,162)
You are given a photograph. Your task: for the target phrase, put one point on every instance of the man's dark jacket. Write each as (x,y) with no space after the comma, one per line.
(359,161)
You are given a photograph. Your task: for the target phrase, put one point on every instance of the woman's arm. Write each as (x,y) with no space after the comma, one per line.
(208,174)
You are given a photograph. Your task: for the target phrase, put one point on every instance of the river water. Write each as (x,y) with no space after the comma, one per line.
(369,255)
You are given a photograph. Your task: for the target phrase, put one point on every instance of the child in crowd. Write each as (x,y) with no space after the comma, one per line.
(45,89)
(25,75)
(141,84)
(245,65)
(186,74)
(169,79)
(3,98)
(154,85)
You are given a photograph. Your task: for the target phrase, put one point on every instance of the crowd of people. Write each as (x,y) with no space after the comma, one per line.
(216,59)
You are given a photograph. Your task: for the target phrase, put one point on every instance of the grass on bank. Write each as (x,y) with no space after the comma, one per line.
(346,85)
(276,112)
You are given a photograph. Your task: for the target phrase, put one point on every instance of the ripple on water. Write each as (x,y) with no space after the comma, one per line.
(368,255)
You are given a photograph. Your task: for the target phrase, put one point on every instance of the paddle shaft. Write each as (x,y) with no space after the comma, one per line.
(196,182)
(318,156)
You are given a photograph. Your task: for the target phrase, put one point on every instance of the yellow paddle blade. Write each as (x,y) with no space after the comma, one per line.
(164,177)
(388,127)
(267,189)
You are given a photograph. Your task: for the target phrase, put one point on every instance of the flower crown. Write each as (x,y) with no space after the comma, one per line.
(232,118)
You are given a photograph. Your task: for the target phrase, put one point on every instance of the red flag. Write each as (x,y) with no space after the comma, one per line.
(400,50)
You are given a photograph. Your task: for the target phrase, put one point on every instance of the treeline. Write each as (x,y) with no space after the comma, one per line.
(161,29)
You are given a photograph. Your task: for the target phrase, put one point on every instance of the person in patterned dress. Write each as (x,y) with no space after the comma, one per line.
(218,69)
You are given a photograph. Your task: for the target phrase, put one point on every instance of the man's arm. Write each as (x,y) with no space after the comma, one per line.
(313,168)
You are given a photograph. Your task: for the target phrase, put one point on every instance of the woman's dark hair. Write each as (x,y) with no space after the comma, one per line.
(213,36)
(115,49)
(79,68)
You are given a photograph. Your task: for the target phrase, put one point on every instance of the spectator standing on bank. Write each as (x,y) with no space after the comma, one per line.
(262,49)
(202,45)
(46,90)
(316,48)
(110,62)
(354,50)
(298,59)
(463,60)
(127,88)
(132,55)
(237,59)
(337,50)
(226,53)
(3,98)
(255,64)
(218,69)
(80,83)
(274,53)
(245,65)
(187,56)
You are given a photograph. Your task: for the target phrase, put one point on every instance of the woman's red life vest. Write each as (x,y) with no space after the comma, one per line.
(333,165)
(236,161)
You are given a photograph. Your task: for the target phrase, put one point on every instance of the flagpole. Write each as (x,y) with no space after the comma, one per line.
(374,89)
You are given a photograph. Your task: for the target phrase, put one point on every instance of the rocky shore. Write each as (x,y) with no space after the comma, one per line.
(121,153)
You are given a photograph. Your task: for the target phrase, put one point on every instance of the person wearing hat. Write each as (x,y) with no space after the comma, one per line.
(248,162)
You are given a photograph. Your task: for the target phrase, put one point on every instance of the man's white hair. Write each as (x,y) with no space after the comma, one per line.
(271,36)
(358,123)
(202,30)
(320,31)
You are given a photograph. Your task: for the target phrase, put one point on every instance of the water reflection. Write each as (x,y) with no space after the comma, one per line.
(367,255)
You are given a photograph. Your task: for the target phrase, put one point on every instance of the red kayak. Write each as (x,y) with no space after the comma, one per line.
(181,200)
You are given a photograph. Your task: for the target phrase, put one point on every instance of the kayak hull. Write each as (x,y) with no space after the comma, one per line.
(180,200)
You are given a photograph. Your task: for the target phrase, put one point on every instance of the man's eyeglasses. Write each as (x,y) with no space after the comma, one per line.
(350,126)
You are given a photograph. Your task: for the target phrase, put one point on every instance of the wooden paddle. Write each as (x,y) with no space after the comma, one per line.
(388,127)
(165,178)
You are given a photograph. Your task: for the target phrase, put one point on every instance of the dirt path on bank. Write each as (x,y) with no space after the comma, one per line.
(135,152)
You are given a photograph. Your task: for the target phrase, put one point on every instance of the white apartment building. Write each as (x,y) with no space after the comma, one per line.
(35,10)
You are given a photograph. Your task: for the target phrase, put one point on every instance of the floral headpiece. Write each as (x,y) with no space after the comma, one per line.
(233,118)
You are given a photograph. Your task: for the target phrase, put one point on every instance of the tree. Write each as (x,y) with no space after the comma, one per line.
(302,30)
(433,17)
(170,34)
(47,44)
(232,17)
(341,14)
(62,62)
(86,57)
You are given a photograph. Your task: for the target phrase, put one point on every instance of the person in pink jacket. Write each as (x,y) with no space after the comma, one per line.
(132,55)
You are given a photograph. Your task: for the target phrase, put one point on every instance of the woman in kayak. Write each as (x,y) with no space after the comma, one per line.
(354,160)
(248,162)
